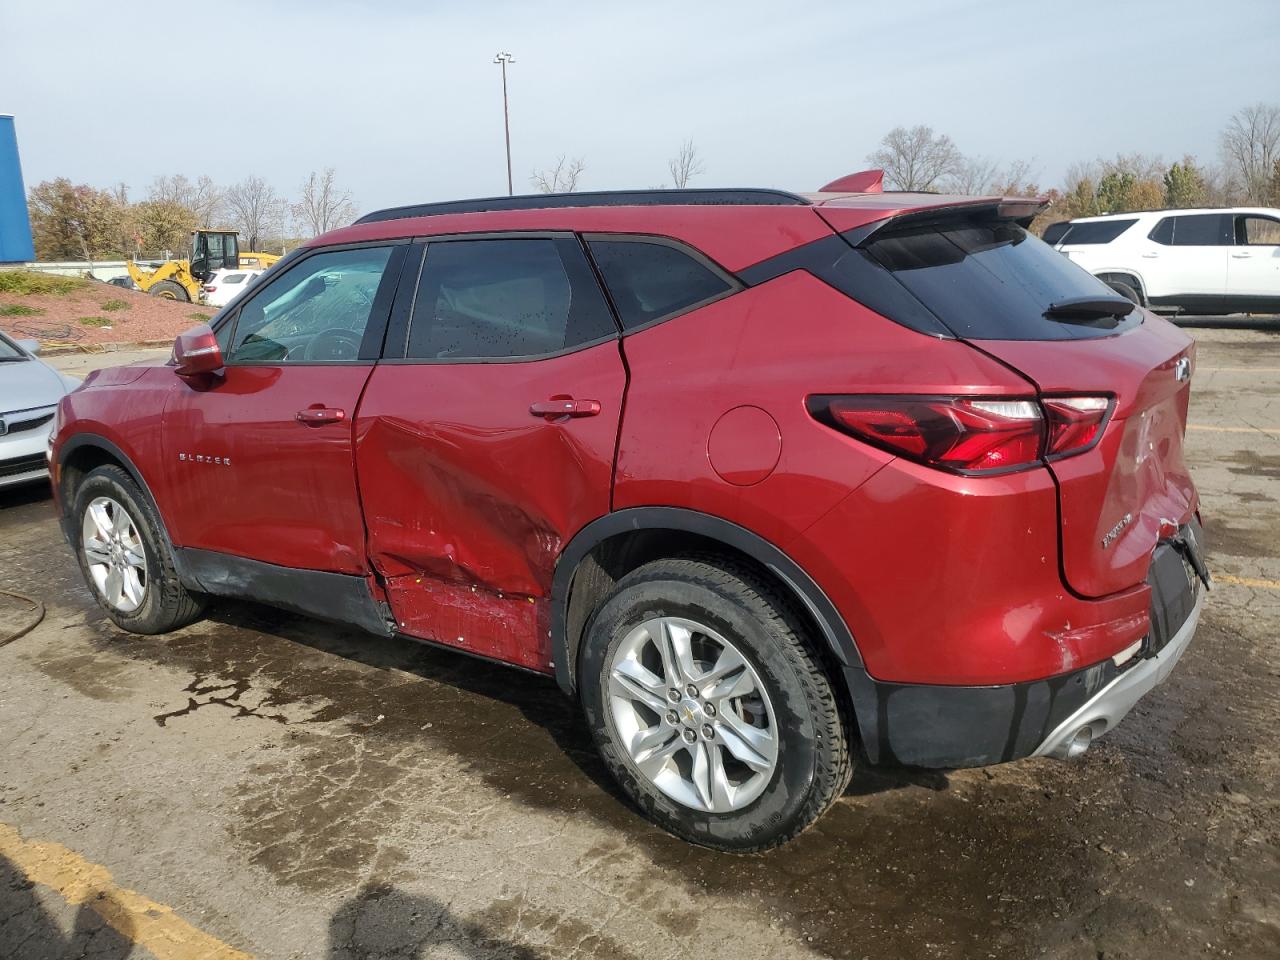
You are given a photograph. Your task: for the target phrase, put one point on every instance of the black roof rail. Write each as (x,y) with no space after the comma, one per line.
(597,198)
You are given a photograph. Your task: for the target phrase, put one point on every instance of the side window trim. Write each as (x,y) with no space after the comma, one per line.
(375,330)
(734,285)
(396,349)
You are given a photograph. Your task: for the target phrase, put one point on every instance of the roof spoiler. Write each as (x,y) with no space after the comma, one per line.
(1019,210)
(864,181)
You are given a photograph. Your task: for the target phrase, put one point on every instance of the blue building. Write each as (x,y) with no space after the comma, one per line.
(15,224)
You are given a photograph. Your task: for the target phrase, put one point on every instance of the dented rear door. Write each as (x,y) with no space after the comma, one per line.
(489,441)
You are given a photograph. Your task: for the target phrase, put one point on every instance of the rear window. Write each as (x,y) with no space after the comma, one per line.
(1094,232)
(1056,231)
(991,280)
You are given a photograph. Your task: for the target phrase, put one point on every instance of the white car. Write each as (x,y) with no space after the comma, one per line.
(226,283)
(29,395)
(1203,261)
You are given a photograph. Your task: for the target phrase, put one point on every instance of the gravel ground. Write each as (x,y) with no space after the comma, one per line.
(264,785)
(62,319)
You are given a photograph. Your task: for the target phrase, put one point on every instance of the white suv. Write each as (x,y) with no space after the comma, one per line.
(1203,261)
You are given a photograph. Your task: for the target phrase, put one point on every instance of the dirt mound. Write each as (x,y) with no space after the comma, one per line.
(87,312)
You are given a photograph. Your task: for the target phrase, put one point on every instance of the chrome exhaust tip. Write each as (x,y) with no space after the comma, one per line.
(1080,741)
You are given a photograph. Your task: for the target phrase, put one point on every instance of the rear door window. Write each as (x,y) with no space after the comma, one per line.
(991,280)
(506,299)
(650,280)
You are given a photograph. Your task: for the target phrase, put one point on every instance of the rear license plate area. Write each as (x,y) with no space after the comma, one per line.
(1175,586)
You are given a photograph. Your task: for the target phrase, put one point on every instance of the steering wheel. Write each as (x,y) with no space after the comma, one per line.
(333,344)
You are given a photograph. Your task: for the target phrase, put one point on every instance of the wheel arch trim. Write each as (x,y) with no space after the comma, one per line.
(835,632)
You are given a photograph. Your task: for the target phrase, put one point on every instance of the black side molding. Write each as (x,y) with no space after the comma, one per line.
(336,597)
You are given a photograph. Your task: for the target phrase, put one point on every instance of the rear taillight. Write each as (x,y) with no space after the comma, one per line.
(209,288)
(1075,423)
(968,434)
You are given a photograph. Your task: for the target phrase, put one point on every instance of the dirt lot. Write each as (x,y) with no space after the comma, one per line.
(97,313)
(265,785)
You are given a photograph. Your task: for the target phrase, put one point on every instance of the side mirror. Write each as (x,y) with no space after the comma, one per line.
(31,346)
(196,352)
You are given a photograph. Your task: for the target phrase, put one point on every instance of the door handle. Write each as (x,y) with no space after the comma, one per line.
(1152,255)
(562,406)
(315,415)
(1242,255)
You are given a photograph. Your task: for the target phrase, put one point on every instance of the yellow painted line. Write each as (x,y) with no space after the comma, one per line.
(142,921)
(1211,429)
(1237,369)
(1247,581)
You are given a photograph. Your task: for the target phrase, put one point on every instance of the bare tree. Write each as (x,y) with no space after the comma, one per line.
(685,165)
(916,158)
(1250,148)
(253,206)
(562,178)
(324,205)
(1016,180)
(973,177)
(203,197)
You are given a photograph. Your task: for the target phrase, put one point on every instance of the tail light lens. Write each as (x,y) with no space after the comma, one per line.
(1075,423)
(968,435)
(209,288)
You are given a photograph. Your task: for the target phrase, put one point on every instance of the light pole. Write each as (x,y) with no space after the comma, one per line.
(504,59)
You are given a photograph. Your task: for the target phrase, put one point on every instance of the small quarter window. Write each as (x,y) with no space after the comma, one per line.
(649,281)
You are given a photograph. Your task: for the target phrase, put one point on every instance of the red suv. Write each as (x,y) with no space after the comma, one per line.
(766,481)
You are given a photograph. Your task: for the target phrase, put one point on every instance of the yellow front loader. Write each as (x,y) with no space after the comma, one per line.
(210,250)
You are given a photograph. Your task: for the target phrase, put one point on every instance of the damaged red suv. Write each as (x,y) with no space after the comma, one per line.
(768,482)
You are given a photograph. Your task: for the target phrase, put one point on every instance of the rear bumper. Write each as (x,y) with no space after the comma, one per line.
(1109,705)
(934,725)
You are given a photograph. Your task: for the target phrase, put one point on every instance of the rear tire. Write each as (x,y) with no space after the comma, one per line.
(168,290)
(125,557)
(758,767)
(1126,291)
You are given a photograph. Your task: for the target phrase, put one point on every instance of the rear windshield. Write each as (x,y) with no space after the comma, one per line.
(991,280)
(1097,231)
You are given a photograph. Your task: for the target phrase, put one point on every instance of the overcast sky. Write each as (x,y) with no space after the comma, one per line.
(404,100)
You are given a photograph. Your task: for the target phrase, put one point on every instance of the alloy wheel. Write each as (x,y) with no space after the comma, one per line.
(693,715)
(114,554)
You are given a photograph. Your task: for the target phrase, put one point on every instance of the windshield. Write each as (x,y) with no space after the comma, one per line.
(9,350)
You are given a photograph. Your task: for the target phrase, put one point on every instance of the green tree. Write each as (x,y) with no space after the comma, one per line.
(164,225)
(1114,189)
(73,221)
(1184,185)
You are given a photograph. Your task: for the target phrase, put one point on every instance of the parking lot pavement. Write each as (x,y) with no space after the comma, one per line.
(80,364)
(264,785)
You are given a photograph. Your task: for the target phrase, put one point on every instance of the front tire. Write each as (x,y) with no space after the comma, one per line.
(710,706)
(125,559)
(168,290)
